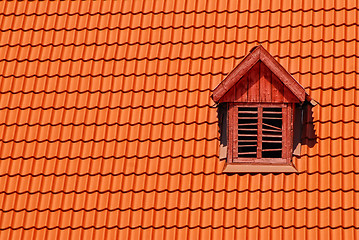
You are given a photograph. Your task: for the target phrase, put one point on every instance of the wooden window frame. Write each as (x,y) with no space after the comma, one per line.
(287,134)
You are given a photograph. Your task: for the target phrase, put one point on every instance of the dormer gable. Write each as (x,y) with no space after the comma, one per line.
(259,78)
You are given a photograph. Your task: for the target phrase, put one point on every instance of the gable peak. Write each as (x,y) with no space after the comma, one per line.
(256,54)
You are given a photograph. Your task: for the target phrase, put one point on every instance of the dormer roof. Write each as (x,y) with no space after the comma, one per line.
(259,53)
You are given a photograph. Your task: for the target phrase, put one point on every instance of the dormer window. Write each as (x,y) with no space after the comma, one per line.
(258,133)
(260,100)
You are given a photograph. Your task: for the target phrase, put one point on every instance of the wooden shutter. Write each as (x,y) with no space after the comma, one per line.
(247,132)
(272,137)
(259,133)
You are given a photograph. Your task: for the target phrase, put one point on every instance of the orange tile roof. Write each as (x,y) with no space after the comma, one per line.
(108,130)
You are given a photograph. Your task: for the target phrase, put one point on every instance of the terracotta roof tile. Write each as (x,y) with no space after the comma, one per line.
(108,130)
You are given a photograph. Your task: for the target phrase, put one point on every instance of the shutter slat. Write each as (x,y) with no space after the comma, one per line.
(268,125)
(255,145)
(272,130)
(269,112)
(272,149)
(247,153)
(245,118)
(274,118)
(247,124)
(246,112)
(248,135)
(272,135)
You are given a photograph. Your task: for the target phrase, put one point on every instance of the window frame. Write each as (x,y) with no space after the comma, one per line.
(287,134)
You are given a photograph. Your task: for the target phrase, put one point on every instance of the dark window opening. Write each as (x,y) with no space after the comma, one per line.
(268,136)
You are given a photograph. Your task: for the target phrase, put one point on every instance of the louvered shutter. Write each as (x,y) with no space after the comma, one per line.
(259,133)
(272,137)
(247,132)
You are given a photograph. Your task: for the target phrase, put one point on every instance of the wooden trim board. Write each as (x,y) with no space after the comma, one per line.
(259,54)
(239,71)
(254,168)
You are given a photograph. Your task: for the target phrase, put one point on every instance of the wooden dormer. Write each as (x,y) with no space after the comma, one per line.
(260,98)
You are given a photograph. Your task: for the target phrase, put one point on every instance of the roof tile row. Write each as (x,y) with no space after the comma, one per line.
(108,130)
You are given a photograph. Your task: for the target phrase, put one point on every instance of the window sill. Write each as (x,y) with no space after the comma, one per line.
(252,168)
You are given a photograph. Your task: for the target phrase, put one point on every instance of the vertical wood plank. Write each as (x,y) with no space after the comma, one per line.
(289,96)
(241,89)
(265,83)
(253,84)
(289,142)
(277,89)
(259,132)
(285,132)
(235,131)
(232,144)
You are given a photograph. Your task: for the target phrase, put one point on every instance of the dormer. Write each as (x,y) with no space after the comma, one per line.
(260,100)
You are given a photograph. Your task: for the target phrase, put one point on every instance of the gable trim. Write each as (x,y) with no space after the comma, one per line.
(258,54)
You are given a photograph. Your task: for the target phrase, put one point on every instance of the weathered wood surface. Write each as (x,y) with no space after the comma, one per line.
(258,64)
(259,85)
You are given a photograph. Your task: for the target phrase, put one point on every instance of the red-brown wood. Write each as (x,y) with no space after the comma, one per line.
(237,136)
(285,135)
(236,74)
(253,84)
(232,130)
(271,161)
(241,90)
(290,132)
(259,132)
(277,89)
(265,83)
(262,168)
(259,85)
(282,74)
(289,96)
(252,59)
(229,97)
